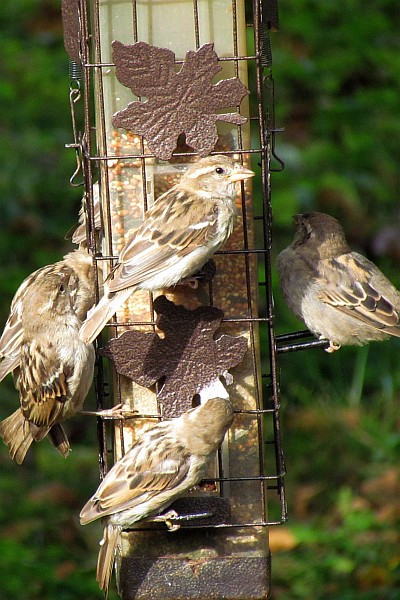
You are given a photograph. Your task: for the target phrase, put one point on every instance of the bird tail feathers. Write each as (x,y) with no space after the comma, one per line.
(59,440)
(107,552)
(17,435)
(100,314)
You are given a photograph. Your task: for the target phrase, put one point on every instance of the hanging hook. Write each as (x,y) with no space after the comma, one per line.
(75,72)
(271,129)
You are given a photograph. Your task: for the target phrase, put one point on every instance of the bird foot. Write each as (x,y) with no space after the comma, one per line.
(332,346)
(116,412)
(167,518)
(191,282)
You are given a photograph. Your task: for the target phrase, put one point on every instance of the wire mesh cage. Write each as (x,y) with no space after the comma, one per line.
(221,548)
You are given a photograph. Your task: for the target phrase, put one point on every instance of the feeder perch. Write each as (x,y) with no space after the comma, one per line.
(164,83)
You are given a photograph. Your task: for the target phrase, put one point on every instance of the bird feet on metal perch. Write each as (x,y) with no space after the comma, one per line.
(191,282)
(206,273)
(116,412)
(288,342)
(332,346)
(170,518)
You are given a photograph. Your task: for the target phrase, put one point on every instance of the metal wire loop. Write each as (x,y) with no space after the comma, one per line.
(74,97)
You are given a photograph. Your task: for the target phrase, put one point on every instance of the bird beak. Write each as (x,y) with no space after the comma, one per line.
(240,173)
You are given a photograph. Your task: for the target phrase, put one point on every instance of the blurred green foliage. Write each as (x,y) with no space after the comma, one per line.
(337,77)
(36,202)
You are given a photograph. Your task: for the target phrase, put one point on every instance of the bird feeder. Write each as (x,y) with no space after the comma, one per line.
(162,83)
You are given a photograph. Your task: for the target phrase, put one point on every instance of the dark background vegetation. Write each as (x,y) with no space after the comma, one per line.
(337,76)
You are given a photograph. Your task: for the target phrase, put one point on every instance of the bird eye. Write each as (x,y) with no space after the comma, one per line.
(62,288)
(219,170)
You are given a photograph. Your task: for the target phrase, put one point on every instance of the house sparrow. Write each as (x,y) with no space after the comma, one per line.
(167,460)
(55,368)
(340,295)
(184,227)
(78,265)
(77,233)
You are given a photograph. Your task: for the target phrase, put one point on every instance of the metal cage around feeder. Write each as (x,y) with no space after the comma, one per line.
(225,553)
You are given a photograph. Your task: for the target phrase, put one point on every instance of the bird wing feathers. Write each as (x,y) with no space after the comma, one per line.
(351,291)
(10,343)
(139,476)
(11,339)
(12,334)
(8,364)
(154,246)
(43,384)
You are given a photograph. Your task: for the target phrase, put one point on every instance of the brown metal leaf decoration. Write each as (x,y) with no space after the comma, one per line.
(70,21)
(186,360)
(176,102)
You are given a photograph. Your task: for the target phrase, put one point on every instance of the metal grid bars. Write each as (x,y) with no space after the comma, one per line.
(130,177)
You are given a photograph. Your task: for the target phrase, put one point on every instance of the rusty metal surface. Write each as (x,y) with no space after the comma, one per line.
(238,578)
(189,356)
(150,71)
(70,21)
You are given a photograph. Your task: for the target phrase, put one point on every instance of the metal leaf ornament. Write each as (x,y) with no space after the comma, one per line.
(189,360)
(176,102)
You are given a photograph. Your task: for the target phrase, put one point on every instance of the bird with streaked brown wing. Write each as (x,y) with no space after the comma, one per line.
(55,368)
(78,266)
(168,459)
(340,295)
(180,232)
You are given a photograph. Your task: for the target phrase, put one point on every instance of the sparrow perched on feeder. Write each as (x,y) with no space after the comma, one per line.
(78,266)
(339,294)
(180,232)
(168,459)
(54,370)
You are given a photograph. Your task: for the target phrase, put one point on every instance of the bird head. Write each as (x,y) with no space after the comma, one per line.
(48,296)
(215,176)
(321,232)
